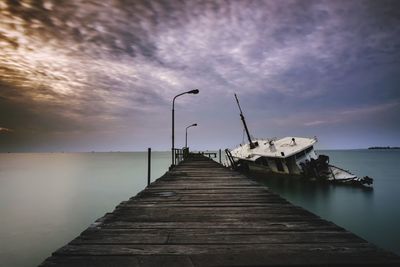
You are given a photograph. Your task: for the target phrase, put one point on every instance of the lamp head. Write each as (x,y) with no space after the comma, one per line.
(195,91)
(194,124)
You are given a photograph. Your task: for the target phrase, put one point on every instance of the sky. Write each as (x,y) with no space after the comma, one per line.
(101,75)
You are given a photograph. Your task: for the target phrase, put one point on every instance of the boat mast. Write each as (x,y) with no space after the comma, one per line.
(252,145)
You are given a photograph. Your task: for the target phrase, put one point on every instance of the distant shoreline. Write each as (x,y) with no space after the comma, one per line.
(384,147)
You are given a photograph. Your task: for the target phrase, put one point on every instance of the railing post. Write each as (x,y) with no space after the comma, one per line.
(176,155)
(220,161)
(148,166)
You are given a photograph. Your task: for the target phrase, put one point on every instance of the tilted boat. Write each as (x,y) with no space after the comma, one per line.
(293,156)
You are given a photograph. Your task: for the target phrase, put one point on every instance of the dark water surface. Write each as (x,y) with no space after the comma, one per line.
(372,214)
(48,199)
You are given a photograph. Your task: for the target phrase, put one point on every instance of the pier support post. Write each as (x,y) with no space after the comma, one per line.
(220,161)
(148,166)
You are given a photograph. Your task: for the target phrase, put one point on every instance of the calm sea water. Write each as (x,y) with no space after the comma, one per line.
(48,199)
(372,214)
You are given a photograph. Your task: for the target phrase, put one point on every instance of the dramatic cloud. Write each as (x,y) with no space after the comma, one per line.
(84,75)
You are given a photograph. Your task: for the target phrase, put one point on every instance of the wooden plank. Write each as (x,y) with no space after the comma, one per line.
(202,214)
(217,236)
(270,225)
(208,249)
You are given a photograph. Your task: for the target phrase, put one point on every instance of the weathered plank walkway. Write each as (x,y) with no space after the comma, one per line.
(201,214)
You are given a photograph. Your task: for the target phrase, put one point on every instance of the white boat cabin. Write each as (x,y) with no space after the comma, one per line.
(278,155)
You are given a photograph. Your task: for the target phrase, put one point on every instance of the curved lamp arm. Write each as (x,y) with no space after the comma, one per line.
(194,124)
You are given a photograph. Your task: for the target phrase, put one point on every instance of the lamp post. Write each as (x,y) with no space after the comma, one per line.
(195,91)
(194,124)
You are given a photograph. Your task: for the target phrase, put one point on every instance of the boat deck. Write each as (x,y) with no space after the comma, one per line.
(202,214)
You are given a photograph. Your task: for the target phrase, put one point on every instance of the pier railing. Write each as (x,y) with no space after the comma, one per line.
(209,154)
(179,155)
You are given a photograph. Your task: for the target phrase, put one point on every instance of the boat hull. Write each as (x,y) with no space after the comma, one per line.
(336,175)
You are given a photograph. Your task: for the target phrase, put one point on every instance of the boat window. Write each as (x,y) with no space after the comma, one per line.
(279,165)
(261,161)
(299,154)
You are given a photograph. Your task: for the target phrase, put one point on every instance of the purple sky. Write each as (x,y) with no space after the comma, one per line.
(80,76)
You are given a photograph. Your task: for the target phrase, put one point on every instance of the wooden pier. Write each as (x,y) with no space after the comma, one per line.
(202,214)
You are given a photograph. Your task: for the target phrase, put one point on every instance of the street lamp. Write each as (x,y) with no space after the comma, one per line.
(194,124)
(195,91)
